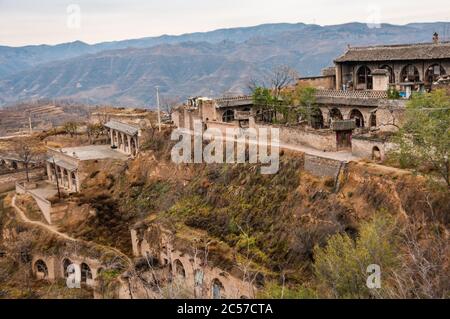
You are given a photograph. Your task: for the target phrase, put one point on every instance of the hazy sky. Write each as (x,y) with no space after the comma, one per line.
(25,22)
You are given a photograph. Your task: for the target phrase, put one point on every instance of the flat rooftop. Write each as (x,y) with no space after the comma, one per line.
(94,152)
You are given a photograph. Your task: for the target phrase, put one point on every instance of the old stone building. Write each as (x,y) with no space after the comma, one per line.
(65,165)
(354,109)
(124,137)
(407,67)
(172,263)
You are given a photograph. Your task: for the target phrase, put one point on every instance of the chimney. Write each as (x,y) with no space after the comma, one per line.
(436,38)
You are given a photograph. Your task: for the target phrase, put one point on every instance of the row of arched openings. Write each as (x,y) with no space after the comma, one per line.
(86,272)
(336,115)
(217,288)
(409,73)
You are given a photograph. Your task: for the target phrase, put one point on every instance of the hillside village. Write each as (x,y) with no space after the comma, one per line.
(100,191)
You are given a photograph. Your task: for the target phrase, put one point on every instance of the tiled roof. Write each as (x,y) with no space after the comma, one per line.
(426,51)
(62,163)
(122,127)
(234,101)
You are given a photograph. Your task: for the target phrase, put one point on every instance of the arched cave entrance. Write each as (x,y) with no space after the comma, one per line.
(217,289)
(65,264)
(179,269)
(376,154)
(41,268)
(86,273)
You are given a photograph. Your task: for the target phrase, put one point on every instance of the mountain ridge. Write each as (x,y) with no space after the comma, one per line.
(203,63)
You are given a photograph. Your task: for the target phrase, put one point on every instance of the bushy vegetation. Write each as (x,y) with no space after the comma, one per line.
(341,266)
(424,139)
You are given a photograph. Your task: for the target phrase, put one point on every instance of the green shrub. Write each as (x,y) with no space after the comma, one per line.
(341,266)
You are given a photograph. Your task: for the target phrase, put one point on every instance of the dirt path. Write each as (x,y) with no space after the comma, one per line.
(53,230)
(49,228)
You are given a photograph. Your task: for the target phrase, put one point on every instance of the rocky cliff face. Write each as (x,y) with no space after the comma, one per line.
(275,221)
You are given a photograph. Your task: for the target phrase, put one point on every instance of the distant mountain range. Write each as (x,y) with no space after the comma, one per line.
(208,63)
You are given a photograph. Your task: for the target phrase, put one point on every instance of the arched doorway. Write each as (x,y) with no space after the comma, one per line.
(217,289)
(179,269)
(434,72)
(410,74)
(364,79)
(391,73)
(86,273)
(376,154)
(316,118)
(335,114)
(228,116)
(359,118)
(14,165)
(65,264)
(41,268)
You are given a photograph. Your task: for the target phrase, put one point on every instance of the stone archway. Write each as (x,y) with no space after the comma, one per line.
(217,289)
(86,273)
(179,269)
(376,153)
(41,269)
(358,117)
(410,73)
(335,114)
(65,265)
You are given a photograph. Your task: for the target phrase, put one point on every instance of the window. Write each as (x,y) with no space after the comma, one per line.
(364,77)
(410,74)
(228,116)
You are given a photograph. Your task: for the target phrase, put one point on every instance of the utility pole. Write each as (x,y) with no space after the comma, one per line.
(29,123)
(159,111)
(56,176)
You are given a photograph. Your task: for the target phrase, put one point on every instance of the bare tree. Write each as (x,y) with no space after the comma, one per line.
(169,103)
(282,76)
(27,152)
(279,78)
